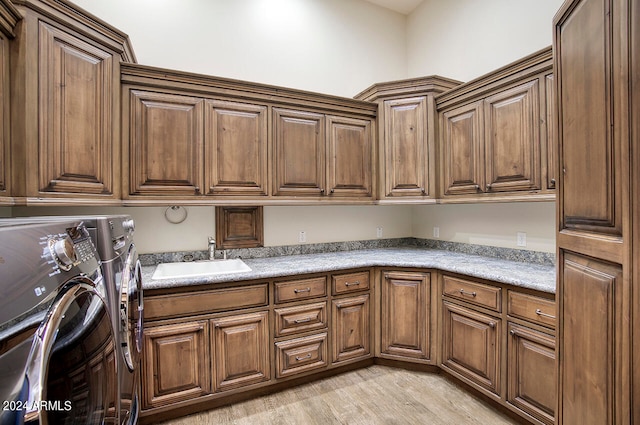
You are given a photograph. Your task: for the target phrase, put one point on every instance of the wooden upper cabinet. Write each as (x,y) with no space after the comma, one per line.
(166,144)
(349,160)
(405,147)
(299,145)
(407,164)
(493,135)
(463,154)
(235,148)
(512,139)
(66,105)
(76,85)
(590,175)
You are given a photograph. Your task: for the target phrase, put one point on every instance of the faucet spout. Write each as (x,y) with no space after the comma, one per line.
(212,248)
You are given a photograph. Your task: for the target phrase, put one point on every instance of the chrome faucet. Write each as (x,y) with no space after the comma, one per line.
(212,248)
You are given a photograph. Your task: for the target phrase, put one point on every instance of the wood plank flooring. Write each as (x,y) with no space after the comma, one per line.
(373,395)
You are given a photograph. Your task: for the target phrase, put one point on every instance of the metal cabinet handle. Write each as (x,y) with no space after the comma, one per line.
(298,291)
(197,189)
(492,325)
(476,187)
(488,187)
(553,182)
(423,190)
(356,283)
(332,191)
(472,294)
(540,313)
(322,191)
(512,332)
(305,320)
(308,356)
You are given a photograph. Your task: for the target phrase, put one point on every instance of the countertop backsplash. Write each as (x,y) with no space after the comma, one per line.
(532,257)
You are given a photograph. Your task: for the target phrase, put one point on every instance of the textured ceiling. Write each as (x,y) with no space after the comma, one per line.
(402,6)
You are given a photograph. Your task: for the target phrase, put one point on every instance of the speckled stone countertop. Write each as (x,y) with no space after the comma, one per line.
(533,276)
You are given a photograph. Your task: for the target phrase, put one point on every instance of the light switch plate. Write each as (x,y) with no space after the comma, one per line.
(521,239)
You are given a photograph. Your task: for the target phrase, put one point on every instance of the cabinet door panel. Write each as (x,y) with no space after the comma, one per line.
(76,143)
(531,373)
(236,148)
(4,117)
(552,132)
(591,338)
(512,139)
(405,318)
(462,144)
(405,147)
(471,345)
(299,153)
(351,328)
(175,365)
(350,160)
(166,144)
(590,178)
(240,350)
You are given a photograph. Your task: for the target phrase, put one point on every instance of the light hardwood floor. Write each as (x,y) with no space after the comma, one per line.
(373,395)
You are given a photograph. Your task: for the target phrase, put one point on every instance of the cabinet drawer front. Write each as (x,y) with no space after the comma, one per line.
(205,301)
(300,318)
(351,282)
(300,289)
(300,355)
(532,308)
(471,292)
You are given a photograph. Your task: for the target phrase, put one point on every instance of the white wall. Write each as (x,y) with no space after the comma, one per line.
(329,46)
(335,223)
(464,39)
(489,224)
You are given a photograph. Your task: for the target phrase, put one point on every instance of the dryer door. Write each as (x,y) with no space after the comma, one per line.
(72,373)
(131,309)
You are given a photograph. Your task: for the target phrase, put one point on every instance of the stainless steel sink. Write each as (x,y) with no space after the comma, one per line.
(199,268)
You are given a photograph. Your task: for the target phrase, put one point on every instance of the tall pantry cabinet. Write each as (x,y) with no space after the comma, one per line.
(597,69)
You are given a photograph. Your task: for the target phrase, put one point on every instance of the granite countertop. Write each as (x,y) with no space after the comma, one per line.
(526,275)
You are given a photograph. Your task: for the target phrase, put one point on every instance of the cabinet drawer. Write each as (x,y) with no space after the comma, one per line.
(205,301)
(472,292)
(302,289)
(300,318)
(301,354)
(532,308)
(350,282)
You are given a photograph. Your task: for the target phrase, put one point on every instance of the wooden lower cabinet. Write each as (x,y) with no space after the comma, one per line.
(176,364)
(405,315)
(351,336)
(301,355)
(239,345)
(531,372)
(471,346)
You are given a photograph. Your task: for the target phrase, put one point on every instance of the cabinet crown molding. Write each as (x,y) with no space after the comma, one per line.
(68,13)
(207,85)
(433,84)
(535,63)
(9,17)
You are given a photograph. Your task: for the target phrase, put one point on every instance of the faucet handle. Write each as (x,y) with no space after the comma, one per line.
(212,240)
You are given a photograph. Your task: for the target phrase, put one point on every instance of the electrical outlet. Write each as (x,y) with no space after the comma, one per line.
(378,232)
(436,232)
(521,239)
(302,236)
